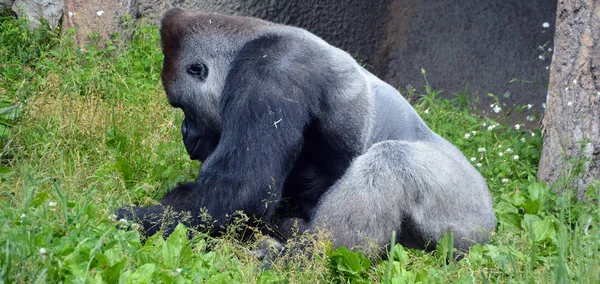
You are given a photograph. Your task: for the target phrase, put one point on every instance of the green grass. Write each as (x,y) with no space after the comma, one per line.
(95,132)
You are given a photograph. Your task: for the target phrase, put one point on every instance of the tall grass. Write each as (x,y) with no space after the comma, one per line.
(95,132)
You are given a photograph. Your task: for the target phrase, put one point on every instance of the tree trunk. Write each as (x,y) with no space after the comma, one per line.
(572,118)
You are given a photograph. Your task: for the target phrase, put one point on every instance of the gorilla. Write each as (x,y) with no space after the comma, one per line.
(291,128)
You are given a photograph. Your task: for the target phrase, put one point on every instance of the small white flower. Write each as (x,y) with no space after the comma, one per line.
(490,128)
(544,105)
(42,251)
(509,150)
(473,132)
(473,159)
(532,134)
(504,180)
(178,270)
(136,226)
(530,118)
(545,25)
(523,139)
(547,67)
(529,106)
(478,165)
(123,221)
(52,204)
(516,157)
(70,14)
(500,154)
(484,124)
(517,126)
(500,146)
(481,150)
(467,135)
(23,215)
(112,218)
(569,103)
(550,49)
(426,111)
(541,57)
(497,109)
(100,13)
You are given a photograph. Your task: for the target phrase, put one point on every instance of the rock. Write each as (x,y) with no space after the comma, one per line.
(495,47)
(37,11)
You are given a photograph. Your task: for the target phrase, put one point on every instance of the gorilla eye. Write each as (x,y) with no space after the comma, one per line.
(198,70)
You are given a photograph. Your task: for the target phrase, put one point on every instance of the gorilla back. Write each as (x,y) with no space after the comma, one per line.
(292,128)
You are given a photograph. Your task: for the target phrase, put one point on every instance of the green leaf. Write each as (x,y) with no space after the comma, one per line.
(476,256)
(532,207)
(511,219)
(398,253)
(172,248)
(445,247)
(537,190)
(143,274)
(348,263)
(126,170)
(269,276)
(6,172)
(7,110)
(543,229)
(464,280)
(90,210)
(113,272)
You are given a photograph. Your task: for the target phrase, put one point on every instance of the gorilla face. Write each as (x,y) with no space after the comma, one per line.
(191,86)
(195,67)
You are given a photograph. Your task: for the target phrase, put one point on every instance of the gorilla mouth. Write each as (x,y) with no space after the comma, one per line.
(192,149)
(190,141)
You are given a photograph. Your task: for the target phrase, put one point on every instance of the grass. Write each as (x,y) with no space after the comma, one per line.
(91,130)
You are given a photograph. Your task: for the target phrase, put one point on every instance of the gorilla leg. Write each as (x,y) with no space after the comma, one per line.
(417,189)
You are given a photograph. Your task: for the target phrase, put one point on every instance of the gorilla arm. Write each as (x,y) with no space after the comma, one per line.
(265,109)
(268,101)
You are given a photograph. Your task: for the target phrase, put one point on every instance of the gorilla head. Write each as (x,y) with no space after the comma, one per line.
(197,54)
(292,128)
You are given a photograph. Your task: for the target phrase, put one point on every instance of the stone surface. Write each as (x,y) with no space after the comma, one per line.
(483,43)
(572,120)
(37,11)
(357,27)
(5,3)
(103,17)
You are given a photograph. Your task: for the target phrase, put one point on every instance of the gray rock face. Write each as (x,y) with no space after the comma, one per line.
(39,10)
(5,3)
(483,43)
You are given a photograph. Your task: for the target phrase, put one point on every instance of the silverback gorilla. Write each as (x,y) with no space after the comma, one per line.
(291,128)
